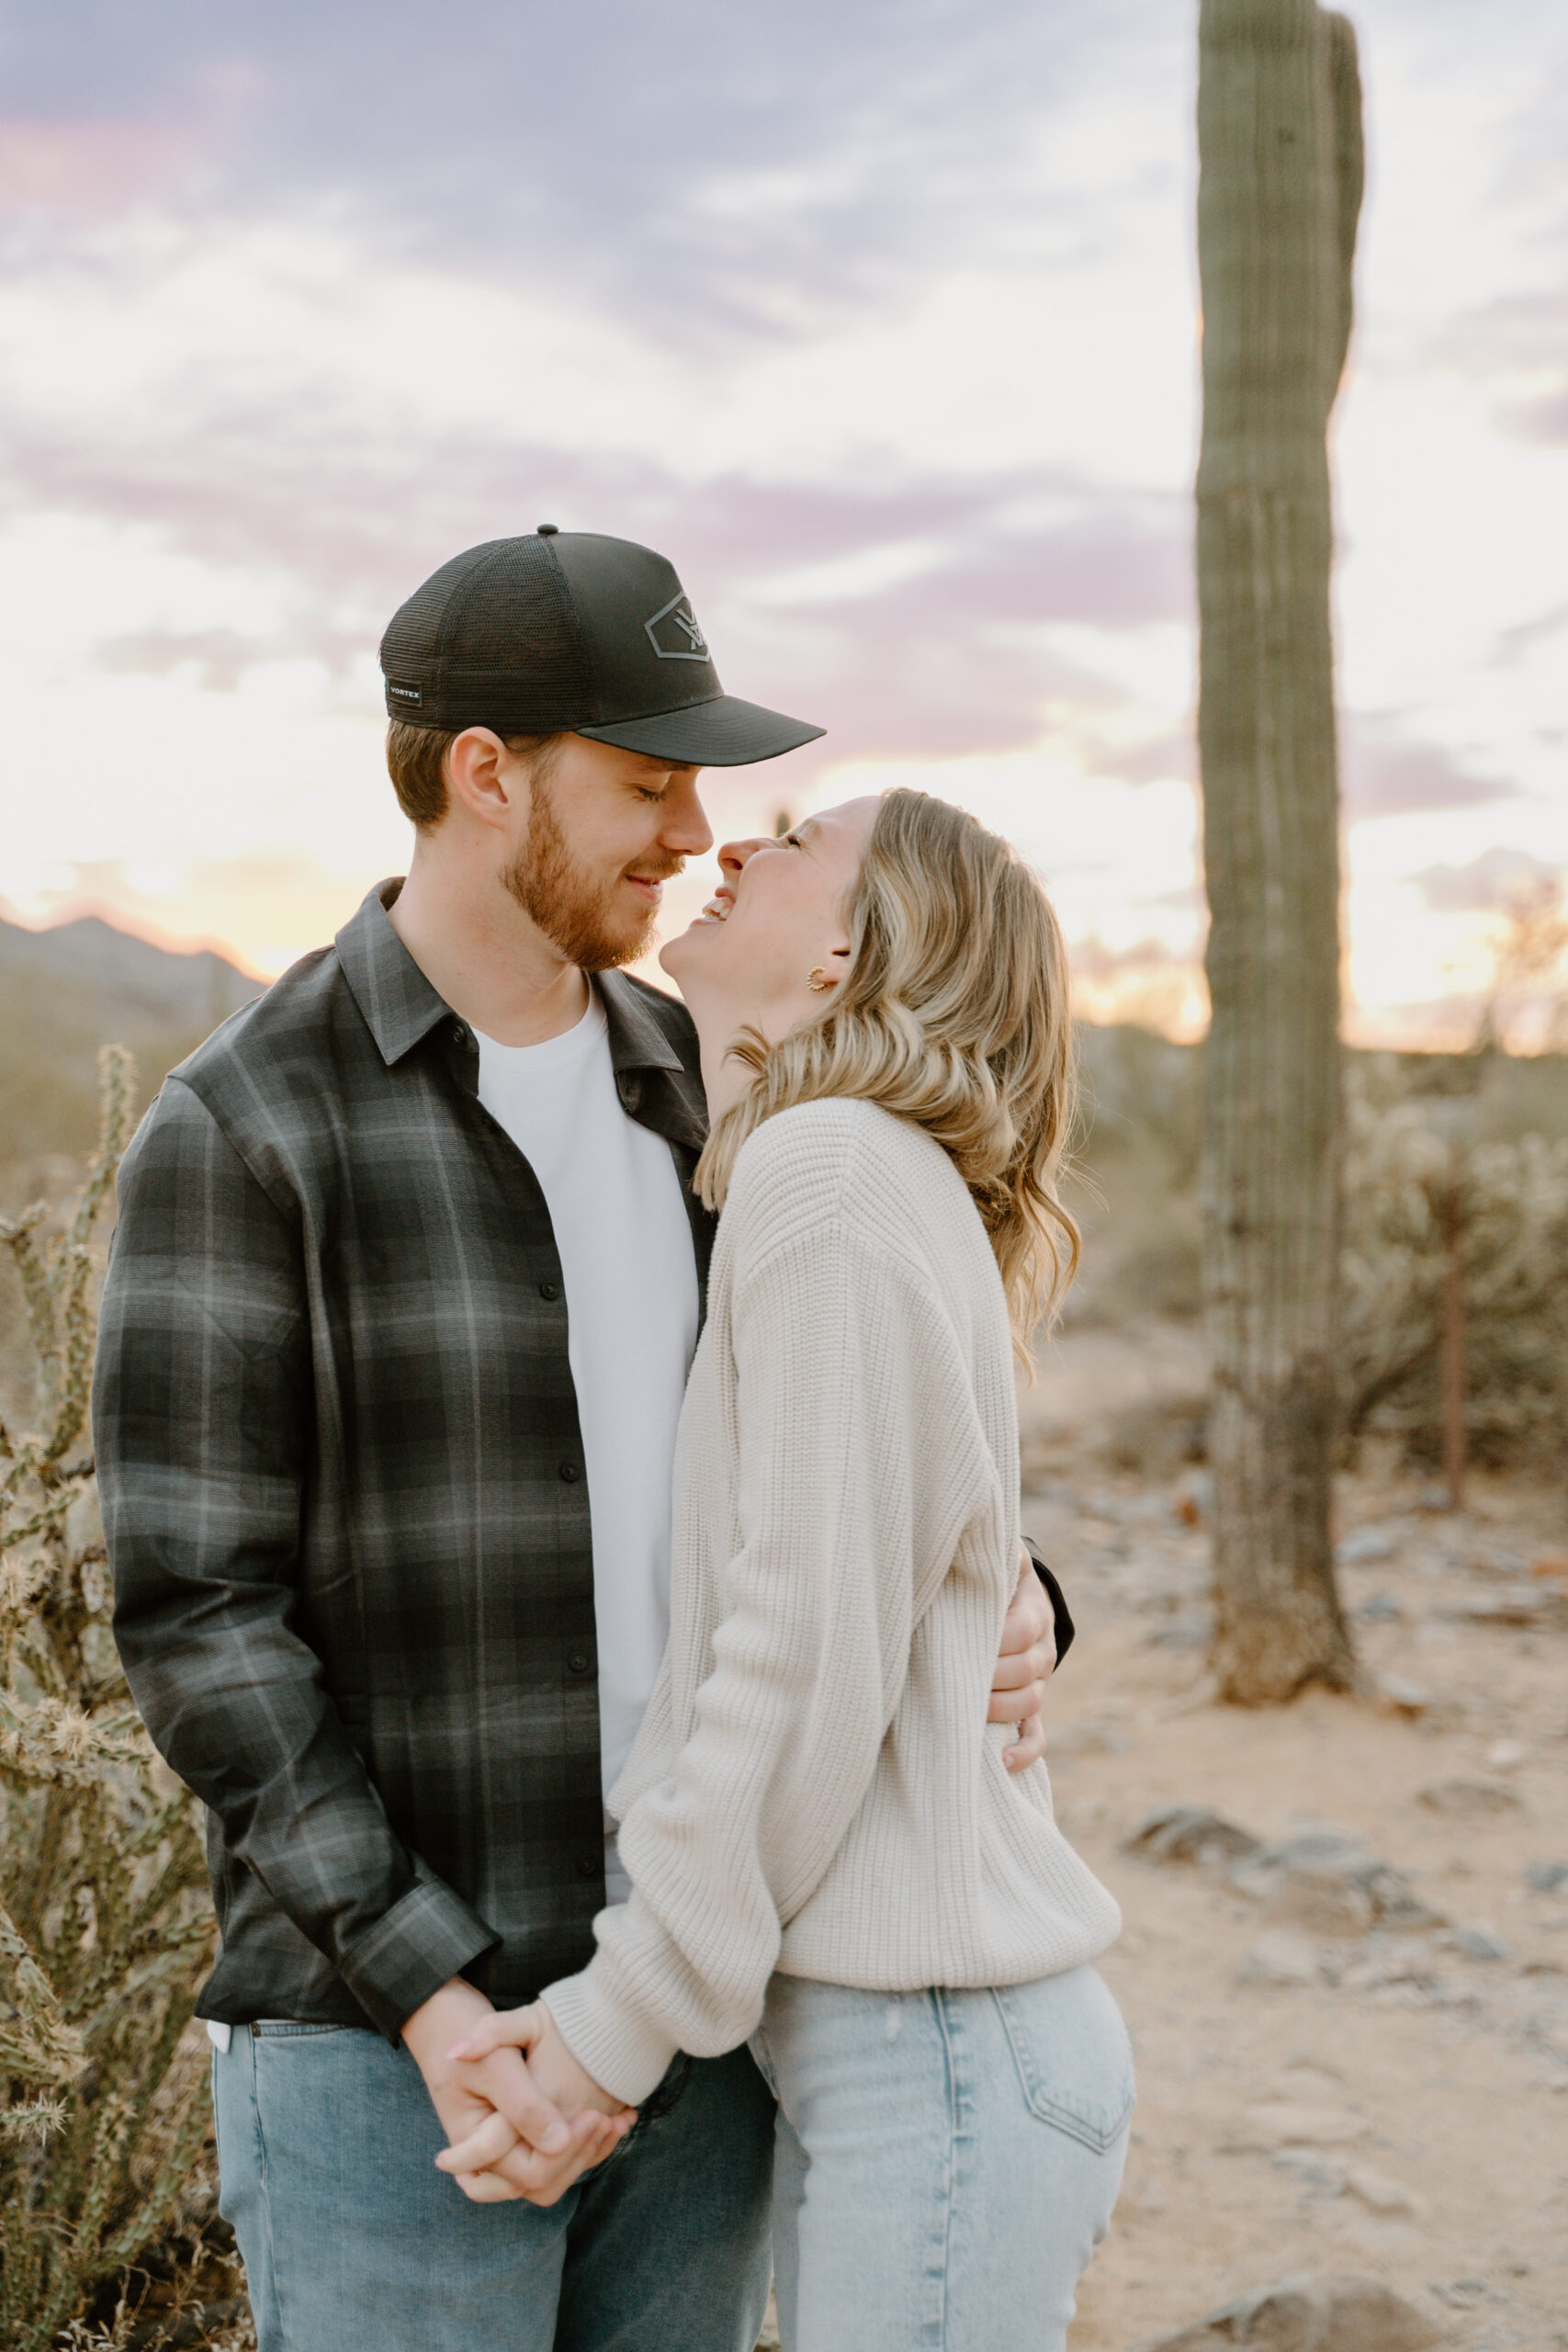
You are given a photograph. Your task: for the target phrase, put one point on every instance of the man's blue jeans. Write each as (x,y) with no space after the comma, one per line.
(353,2242)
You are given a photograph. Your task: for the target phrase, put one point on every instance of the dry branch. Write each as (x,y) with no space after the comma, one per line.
(104,1928)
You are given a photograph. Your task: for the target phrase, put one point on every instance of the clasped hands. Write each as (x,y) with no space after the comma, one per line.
(528,2126)
(518,2127)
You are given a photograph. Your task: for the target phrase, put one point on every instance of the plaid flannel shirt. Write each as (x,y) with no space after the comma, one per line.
(344,1490)
(342,1483)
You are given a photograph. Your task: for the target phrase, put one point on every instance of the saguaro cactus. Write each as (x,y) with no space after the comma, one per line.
(1278,193)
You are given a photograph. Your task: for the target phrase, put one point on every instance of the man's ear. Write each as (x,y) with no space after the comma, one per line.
(481,776)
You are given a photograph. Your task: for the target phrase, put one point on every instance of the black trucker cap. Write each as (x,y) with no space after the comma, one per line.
(567,631)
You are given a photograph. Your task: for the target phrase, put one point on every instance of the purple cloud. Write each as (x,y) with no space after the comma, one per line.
(952,660)
(1493,883)
(705,167)
(1518,336)
(1385,773)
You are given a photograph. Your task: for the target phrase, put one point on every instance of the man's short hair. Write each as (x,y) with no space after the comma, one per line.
(417,762)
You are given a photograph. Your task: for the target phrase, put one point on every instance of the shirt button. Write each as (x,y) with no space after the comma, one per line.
(589,1865)
(578,1661)
(570,1473)
(549,1290)
(460,1036)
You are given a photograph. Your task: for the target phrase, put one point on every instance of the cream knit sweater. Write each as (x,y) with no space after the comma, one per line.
(815,1788)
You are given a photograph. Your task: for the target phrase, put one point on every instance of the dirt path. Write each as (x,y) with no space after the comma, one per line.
(1322,2086)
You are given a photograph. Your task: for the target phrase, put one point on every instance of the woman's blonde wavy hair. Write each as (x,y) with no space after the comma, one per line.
(954,1014)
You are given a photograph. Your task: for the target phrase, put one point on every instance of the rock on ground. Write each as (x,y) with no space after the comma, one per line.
(1338,2311)
(1189,1833)
(1280,1958)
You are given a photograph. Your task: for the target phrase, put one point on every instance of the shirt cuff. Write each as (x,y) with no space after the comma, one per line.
(426,1940)
(1058,1602)
(627,2056)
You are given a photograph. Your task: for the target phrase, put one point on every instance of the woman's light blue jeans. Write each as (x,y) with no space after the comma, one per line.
(944,2164)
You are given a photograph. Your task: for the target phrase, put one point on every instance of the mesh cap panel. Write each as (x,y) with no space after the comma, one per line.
(491,640)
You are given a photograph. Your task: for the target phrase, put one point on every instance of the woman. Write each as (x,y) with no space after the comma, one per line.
(825,1849)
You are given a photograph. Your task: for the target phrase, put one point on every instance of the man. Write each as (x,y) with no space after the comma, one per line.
(405,1286)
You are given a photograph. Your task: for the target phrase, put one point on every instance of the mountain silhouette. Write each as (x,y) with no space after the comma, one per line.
(67,991)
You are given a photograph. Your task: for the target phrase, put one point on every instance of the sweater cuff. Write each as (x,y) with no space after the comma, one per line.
(626,2056)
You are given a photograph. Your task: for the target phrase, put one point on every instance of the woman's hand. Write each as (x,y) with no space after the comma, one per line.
(535,2152)
(1023,1667)
(555,2076)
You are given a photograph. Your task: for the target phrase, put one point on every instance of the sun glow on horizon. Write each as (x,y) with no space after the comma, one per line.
(951,516)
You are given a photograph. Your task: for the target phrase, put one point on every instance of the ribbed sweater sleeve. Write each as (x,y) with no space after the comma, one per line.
(857,1468)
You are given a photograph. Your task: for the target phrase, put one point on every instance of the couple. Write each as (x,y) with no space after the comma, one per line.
(411,1261)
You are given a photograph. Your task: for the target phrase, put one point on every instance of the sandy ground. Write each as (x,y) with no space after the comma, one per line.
(1319,2090)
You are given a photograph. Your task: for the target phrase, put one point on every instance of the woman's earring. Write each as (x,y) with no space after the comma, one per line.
(817,981)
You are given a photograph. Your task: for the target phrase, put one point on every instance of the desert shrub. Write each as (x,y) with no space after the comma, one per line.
(105,1924)
(1415,1159)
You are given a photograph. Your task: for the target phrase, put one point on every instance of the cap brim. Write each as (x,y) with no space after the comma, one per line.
(724,733)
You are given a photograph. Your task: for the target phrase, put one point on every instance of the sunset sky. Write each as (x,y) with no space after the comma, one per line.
(880,320)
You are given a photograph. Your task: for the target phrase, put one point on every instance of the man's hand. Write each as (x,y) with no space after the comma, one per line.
(556,2073)
(543,2154)
(1023,1667)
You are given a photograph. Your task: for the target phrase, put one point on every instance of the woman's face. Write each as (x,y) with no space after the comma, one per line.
(776,917)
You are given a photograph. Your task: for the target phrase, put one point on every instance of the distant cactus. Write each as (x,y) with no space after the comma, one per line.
(105,1925)
(1408,1173)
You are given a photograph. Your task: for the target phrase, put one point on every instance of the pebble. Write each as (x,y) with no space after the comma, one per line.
(1406,1698)
(1463,2293)
(1384,2195)
(1091,1737)
(1193,1629)
(1546,1878)
(1402,1960)
(1468,1798)
(1521,1608)
(1366,1546)
(1505,1755)
(1194,1498)
(1477,1942)
(1144,2199)
(1280,1958)
(1278,2124)
(1310,2168)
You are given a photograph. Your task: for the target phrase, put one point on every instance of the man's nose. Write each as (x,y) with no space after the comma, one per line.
(733,855)
(685,831)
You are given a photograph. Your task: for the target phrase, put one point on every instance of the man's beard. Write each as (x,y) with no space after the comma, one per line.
(575,912)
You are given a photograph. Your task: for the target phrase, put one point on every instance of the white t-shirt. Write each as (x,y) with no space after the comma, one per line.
(620,1222)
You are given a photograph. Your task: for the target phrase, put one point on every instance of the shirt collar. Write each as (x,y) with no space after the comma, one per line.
(398,1004)
(637,1041)
(401,1007)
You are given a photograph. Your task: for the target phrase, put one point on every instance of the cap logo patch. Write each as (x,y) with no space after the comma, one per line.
(412,695)
(674,634)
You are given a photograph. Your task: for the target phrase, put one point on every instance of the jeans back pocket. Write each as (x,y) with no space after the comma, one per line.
(1074,2060)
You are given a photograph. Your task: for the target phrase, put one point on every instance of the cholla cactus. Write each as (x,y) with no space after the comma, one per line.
(103,1923)
(1408,1175)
